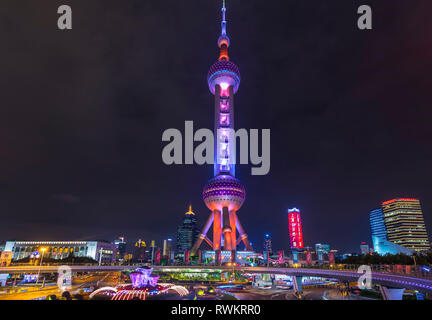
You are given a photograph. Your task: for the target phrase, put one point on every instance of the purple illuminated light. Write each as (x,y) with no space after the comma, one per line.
(143,277)
(224,119)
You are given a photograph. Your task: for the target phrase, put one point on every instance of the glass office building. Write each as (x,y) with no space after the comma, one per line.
(404,223)
(377,225)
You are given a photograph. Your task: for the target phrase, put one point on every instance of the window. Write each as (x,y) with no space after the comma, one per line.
(224,104)
(224,119)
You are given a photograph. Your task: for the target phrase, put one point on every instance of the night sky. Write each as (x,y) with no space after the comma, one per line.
(83,111)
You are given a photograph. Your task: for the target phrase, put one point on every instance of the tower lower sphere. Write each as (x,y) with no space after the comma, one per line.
(224,195)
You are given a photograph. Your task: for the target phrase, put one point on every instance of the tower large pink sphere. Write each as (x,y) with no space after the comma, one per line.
(224,191)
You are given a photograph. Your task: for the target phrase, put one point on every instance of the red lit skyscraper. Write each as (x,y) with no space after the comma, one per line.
(295,229)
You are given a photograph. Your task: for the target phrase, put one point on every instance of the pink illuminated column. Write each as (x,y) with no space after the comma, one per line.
(224,124)
(295,229)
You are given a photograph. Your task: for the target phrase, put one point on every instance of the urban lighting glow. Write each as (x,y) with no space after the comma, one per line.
(400,199)
(404,223)
(224,85)
(143,277)
(295,229)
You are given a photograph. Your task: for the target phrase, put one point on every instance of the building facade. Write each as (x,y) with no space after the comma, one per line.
(167,247)
(187,232)
(120,244)
(268,244)
(364,248)
(383,247)
(404,223)
(295,228)
(378,228)
(100,251)
(141,253)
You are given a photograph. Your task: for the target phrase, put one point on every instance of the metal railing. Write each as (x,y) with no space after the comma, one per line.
(423,272)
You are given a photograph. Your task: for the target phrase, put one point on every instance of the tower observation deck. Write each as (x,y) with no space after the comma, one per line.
(224,194)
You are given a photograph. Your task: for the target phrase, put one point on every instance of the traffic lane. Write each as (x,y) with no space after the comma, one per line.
(90,281)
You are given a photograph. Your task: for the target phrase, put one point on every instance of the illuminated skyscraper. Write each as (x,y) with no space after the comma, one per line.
(167,247)
(224,194)
(187,232)
(295,228)
(403,219)
(120,244)
(140,252)
(268,244)
(378,228)
(364,248)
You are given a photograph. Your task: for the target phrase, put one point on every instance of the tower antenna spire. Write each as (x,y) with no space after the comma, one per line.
(223,18)
(223,41)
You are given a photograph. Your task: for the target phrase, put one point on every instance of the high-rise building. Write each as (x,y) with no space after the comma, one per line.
(140,252)
(403,219)
(187,232)
(224,194)
(383,247)
(295,228)
(167,247)
(378,228)
(268,244)
(364,248)
(120,244)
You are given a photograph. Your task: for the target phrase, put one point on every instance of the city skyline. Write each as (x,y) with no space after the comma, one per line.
(81,160)
(375,219)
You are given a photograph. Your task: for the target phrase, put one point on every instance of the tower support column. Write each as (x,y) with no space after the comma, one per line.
(203,234)
(217,230)
(243,236)
(227,231)
(233,218)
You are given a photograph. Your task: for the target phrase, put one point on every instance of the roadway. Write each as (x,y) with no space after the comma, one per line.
(250,293)
(381,278)
(35,292)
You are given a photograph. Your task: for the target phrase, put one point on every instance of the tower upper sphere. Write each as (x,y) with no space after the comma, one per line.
(223,72)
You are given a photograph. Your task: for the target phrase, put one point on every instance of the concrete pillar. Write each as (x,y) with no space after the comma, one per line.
(233,218)
(203,235)
(217,230)
(243,236)
(218,257)
(226,229)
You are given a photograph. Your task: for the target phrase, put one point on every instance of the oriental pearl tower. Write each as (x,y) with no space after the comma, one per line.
(224,194)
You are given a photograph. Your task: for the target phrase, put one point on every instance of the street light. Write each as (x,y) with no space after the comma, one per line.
(40,265)
(229,264)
